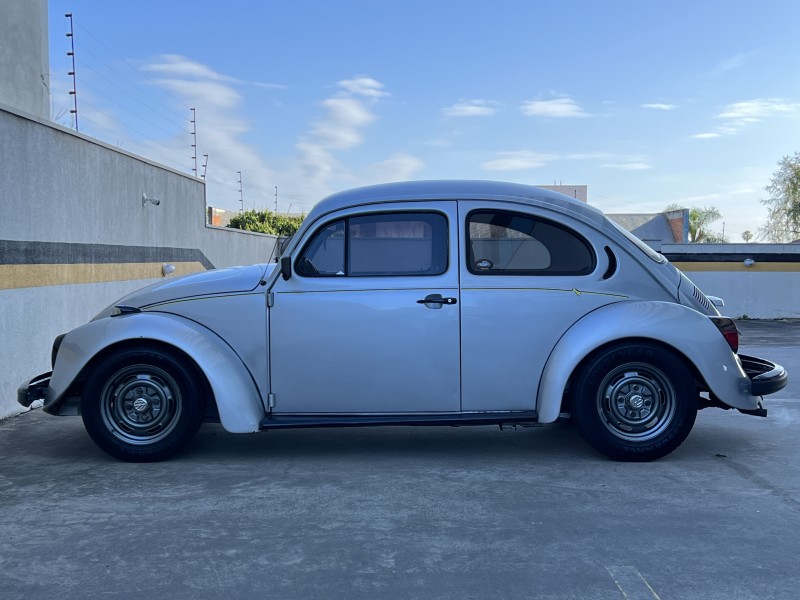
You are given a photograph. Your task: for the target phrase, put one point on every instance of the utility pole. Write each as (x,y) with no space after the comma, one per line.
(276,199)
(205,166)
(241,191)
(194,139)
(74,91)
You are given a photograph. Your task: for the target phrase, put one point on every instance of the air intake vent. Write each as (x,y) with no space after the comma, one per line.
(701,298)
(612,264)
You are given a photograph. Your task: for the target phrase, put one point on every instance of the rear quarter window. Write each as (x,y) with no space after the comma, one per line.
(511,243)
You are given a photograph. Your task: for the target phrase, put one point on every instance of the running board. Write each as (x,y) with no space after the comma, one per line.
(454,420)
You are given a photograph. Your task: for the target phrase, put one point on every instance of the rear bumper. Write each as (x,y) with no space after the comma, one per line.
(765,377)
(35,389)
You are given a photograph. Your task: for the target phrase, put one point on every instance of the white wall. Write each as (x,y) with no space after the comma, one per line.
(767,289)
(80,196)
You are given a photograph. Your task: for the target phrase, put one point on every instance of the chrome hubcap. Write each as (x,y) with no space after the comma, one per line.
(140,405)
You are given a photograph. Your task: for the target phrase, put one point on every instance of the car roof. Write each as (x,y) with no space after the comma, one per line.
(456,189)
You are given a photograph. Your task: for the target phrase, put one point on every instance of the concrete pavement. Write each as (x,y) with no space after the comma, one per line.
(411,512)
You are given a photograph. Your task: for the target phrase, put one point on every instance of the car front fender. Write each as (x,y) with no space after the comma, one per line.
(238,401)
(687,331)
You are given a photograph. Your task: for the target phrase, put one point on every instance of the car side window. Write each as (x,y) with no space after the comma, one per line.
(380,244)
(511,243)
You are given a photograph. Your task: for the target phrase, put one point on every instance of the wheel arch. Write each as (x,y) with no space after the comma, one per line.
(211,412)
(236,397)
(687,333)
(696,374)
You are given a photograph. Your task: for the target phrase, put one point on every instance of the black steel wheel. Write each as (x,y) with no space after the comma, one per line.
(634,402)
(142,404)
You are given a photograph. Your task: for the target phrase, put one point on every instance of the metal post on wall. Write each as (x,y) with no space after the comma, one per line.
(194,139)
(74,91)
(241,191)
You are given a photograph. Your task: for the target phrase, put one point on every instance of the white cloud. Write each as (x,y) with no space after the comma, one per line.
(628,166)
(179,66)
(398,167)
(363,86)
(470,108)
(316,170)
(216,93)
(737,116)
(517,161)
(341,128)
(752,111)
(520,160)
(558,108)
(660,106)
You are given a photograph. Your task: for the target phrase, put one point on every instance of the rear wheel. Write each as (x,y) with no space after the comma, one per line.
(634,402)
(142,404)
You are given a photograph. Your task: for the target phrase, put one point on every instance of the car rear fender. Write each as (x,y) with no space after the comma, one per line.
(690,333)
(235,391)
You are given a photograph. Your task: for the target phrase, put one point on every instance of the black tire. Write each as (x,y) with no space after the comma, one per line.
(634,402)
(142,404)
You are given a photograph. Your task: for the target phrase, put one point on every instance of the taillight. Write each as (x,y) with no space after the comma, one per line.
(728,330)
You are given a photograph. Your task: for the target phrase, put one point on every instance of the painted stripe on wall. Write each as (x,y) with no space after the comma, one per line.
(758,267)
(14,252)
(23,276)
(780,257)
(36,264)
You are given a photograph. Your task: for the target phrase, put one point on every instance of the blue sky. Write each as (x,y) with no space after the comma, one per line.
(647,103)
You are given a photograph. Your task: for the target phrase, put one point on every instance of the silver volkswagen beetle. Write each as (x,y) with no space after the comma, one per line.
(419,303)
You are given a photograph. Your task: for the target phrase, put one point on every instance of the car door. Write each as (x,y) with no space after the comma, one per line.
(351,331)
(526,277)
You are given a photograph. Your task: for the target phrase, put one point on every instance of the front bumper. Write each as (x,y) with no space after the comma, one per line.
(33,390)
(765,377)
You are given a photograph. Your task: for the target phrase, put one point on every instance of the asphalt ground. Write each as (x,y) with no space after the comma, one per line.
(459,513)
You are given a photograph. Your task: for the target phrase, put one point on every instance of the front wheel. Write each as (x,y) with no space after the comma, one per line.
(634,402)
(142,404)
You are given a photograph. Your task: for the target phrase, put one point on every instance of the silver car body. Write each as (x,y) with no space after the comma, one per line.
(367,346)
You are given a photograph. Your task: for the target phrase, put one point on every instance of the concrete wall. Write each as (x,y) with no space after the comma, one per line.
(75,236)
(24,56)
(769,288)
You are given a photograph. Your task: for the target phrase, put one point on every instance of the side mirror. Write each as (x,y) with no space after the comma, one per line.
(286,266)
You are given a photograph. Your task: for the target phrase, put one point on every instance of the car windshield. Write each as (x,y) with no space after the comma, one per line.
(656,256)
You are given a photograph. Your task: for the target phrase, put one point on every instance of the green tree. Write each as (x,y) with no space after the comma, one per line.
(264,221)
(783,204)
(747,235)
(699,221)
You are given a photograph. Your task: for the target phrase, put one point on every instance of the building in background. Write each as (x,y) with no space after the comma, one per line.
(656,229)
